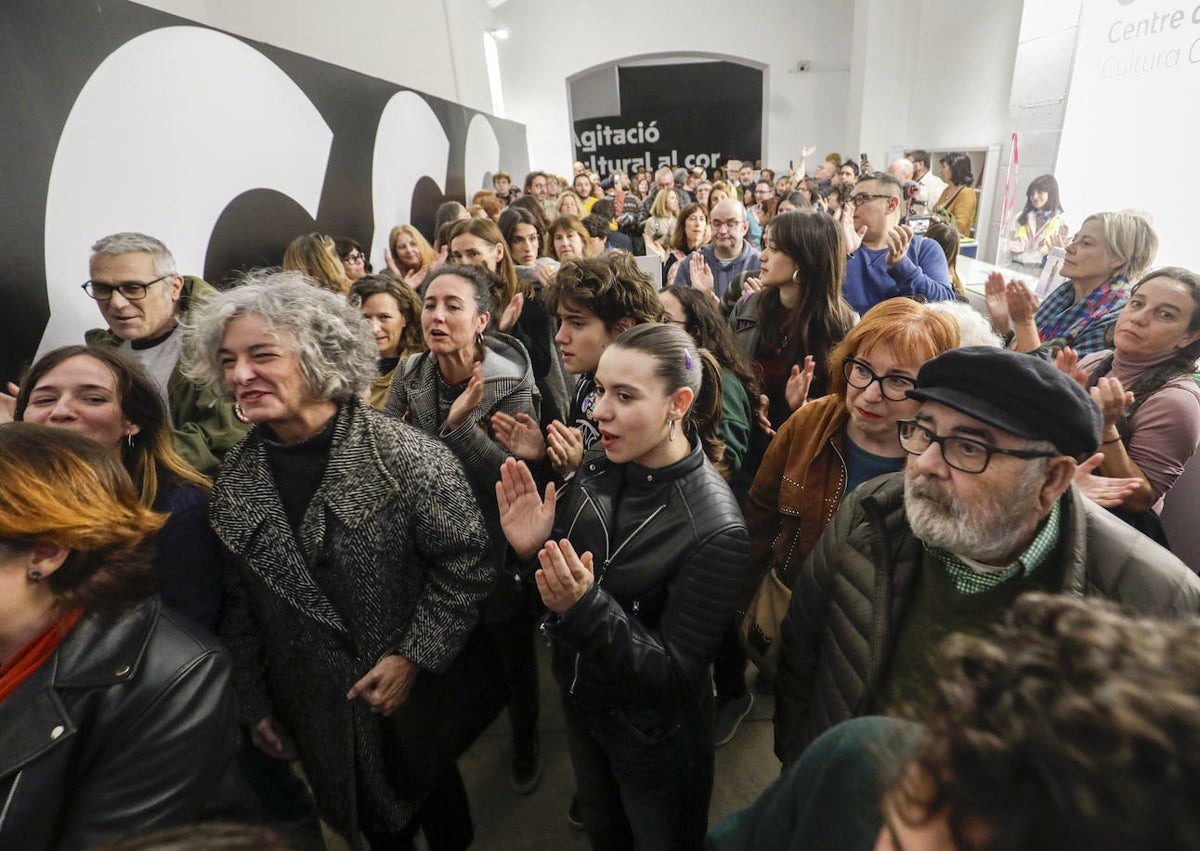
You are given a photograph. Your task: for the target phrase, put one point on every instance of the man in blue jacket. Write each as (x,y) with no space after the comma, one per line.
(886,258)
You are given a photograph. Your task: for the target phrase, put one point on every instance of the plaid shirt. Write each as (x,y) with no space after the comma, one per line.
(1082,325)
(970,581)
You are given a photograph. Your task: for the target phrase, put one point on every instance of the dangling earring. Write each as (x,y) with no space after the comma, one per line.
(671,430)
(240,414)
(129,440)
(479,340)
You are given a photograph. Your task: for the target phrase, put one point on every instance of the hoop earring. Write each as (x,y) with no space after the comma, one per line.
(479,340)
(240,414)
(796,277)
(671,430)
(129,440)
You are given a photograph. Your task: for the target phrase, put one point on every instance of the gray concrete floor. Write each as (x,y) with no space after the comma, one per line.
(506,821)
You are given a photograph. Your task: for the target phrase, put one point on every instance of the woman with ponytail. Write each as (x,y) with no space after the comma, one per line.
(1144,387)
(639,562)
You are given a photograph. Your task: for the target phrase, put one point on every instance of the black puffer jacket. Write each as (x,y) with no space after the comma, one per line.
(129,726)
(670,551)
(849,598)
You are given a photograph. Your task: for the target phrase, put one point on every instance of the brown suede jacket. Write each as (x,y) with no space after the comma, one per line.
(799,486)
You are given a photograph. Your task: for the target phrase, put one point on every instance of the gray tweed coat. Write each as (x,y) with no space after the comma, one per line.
(392,557)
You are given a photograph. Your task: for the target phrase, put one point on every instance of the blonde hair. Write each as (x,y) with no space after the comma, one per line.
(1130,235)
(316,255)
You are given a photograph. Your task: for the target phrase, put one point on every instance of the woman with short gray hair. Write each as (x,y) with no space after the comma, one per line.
(355,556)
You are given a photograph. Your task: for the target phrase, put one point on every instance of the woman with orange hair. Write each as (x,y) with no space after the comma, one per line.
(120,712)
(831,445)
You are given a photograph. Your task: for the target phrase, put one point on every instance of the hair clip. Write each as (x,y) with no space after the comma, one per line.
(687,359)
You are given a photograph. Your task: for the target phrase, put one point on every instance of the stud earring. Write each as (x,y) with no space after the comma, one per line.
(35,576)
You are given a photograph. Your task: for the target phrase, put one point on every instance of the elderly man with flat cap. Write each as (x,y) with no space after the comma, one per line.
(984,511)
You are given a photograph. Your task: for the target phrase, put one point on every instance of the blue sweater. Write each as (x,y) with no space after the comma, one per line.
(723,271)
(922,271)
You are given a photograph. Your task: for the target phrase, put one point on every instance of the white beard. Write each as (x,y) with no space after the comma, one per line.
(986,532)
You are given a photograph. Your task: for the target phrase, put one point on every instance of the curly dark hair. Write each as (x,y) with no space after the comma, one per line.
(610,286)
(1072,727)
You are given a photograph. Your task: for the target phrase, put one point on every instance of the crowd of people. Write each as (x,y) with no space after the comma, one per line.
(321,515)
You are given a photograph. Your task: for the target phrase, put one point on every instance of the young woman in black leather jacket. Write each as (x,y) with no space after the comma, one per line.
(639,563)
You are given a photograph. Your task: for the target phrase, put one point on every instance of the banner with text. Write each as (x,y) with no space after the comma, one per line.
(684,115)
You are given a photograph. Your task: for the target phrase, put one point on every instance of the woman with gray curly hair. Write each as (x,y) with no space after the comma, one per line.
(355,558)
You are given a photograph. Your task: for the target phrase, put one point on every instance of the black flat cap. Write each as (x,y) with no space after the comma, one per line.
(1021,394)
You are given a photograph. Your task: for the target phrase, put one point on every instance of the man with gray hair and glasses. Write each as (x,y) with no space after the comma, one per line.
(730,254)
(143,299)
(984,511)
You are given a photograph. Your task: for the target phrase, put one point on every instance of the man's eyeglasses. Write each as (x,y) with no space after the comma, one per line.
(732,224)
(861,376)
(961,453)
(130,290)
(355,257)
(862,197)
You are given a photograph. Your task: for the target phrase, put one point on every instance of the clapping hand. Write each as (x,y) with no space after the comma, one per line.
(1112,398)
(520,435)
(764,422)
(1022,302)
(525,517)
(1067,361)
(467,400)
(563,577)
(897,239)
(851,238)
(1105,491)
(997,303)
(565,448)
(8,403)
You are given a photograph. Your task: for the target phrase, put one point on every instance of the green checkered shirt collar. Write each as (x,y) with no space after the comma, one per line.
(970,581)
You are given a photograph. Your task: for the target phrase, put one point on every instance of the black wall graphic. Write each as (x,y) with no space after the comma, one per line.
(106,104)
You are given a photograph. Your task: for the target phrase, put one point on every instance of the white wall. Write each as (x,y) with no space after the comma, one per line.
(548,44)
(434,46)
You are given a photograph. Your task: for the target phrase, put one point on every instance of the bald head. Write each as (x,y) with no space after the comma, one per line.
(901,169)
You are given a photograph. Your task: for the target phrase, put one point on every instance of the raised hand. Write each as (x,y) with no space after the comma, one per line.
(415,278)
(1022,302)
(520,435)
(563,577)
(702,276)
(467,400)
(526,518)
(799,382)
(851,238)
(1067,361)
(997,303)
(8,403)
(1113,399)
(897,239)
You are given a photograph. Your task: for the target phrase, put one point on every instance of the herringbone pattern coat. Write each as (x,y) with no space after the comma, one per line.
(392,557)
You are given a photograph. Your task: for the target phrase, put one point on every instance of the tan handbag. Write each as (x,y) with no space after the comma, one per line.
(760,627)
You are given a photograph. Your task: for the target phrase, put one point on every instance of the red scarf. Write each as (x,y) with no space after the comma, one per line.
(31,657)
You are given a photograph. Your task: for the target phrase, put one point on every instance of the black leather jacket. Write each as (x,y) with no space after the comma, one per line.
(670,551)
(129,726)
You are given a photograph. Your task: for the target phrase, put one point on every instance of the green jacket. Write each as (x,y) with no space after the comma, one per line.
(205,425)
